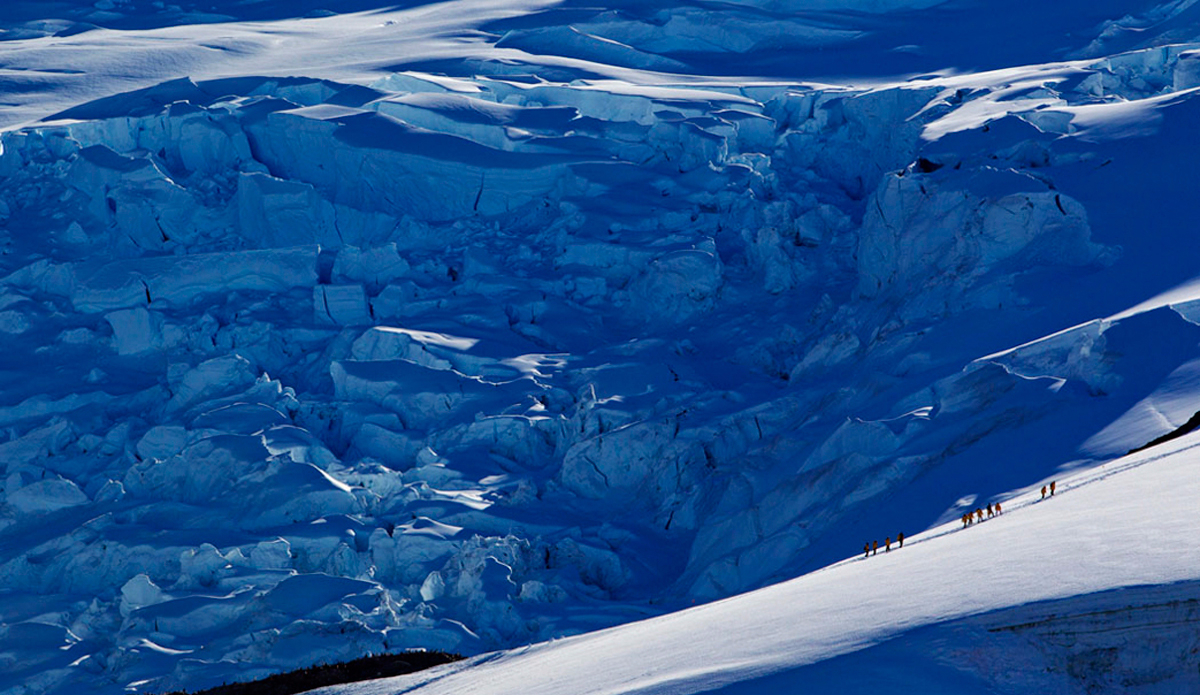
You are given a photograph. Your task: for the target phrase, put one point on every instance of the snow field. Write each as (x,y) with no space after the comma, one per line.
(505,322)
(1092,536)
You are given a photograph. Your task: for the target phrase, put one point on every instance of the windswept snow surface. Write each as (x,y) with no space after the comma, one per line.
(473,325)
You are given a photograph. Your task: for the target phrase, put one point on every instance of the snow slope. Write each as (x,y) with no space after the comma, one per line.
(473,325)
(1092,537)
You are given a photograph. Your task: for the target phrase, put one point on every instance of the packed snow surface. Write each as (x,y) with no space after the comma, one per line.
(476,325)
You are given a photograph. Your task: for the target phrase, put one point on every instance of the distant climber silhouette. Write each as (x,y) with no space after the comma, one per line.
(998,509)
(1043,492)
(887,544)
(1052,484)
(874,547)
(867,549)
(900,538)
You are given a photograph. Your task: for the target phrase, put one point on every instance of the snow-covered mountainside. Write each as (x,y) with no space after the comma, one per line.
(1079,593)
(477,324)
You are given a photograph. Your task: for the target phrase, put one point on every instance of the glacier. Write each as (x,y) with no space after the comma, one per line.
(474,325)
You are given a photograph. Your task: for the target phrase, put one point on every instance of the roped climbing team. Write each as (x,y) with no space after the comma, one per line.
(872,547)
(968,518)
